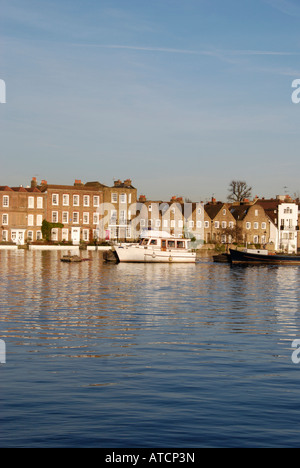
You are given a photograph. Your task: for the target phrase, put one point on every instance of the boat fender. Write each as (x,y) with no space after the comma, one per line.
(170,259)
(153,255)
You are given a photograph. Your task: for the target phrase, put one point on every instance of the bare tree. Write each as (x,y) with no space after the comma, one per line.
(238,190)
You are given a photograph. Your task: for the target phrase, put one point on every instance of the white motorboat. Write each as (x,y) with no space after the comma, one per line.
(157,247)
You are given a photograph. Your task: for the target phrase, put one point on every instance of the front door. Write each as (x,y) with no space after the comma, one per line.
(76,236)
(18,237)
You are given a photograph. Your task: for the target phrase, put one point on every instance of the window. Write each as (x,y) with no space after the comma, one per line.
(54,234)
(65,217)
(85,235)
(180,245)
(129,200)
(96,218)
(224,212)
(122,217)
(40,203)
(263,239)
(4,236)
(123,198)
(256,212)
(171,244)
(30,202)
(255,239)
(128,231)
(248,225)
(217,224)
(166,223)
(150,207)
(86,218)
(75,218)
(96,200)
(223,239)
(206,224)
(113,216)
(129,214)
(39,220)
(6,201)
(66,200)
(224,224)
(5,220)
(39,235)
(54,216)
(75,200)
(55,199)
(255,225)
(263,225)
(65,235)
(231,224)
(114,198)
(30,236)
(153,242)
(86,200)
(199,211)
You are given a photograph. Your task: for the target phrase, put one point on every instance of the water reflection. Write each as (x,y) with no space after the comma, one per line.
(145,348)
(55,301)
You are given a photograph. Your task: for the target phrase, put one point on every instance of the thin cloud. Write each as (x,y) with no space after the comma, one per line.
(285,6)
(211,52)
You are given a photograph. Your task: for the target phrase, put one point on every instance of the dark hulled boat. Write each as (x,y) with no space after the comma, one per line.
(222,258)
(263,257)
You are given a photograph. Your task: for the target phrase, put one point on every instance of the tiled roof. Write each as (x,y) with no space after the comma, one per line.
(212,209)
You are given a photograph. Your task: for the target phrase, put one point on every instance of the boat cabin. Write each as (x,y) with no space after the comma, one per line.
(165,244)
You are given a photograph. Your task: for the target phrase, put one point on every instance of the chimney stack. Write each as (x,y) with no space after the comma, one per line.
(33,182)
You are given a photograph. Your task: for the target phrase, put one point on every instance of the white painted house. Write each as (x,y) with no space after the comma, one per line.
(287,227)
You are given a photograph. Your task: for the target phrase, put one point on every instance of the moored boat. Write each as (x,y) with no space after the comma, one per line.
(73,259)
(157,247)
(262,257)
(222,258)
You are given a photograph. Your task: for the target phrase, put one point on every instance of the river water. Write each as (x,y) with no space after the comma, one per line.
(147,355)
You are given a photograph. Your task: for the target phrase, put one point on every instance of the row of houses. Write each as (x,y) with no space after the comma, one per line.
(93,212)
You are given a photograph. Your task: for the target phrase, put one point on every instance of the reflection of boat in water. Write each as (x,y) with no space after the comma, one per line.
(263,257)
(157,247)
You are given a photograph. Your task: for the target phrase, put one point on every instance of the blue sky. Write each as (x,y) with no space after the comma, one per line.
(180,96)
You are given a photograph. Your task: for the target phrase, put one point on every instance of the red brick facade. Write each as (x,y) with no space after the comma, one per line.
(22,211)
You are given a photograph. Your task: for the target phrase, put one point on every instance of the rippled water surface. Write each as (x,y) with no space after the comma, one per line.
(101,355)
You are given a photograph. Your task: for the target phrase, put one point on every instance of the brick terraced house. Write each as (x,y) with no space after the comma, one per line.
(75,207)
(22,211)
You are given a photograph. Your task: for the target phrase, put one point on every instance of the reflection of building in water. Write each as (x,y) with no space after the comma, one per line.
(286,301)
